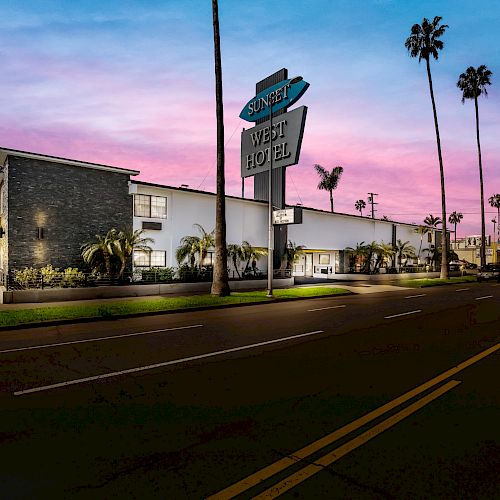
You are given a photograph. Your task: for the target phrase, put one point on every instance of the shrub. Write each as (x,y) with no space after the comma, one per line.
(72,278)
(28,277)
(51,276)
(158,274)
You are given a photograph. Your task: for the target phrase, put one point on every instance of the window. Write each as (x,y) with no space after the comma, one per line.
(156,258)
(429,237)
(146,205)
(324,259)
(209,259)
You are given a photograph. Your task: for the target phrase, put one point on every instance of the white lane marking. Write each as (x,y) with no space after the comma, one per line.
(160,365)
(98,339)
(485,297)
(324,308)
(414,296)
(462,289)
(403,314)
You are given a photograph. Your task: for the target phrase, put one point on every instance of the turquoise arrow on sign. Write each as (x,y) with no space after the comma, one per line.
(282,95)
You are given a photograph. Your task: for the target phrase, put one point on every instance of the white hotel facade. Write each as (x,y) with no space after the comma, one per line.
(167,214)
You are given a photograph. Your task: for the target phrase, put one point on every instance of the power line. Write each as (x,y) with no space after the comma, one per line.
(227,142)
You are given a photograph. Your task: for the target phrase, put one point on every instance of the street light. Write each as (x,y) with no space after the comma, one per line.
(270,243)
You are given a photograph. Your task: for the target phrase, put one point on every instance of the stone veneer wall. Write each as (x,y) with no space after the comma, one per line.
(71,203)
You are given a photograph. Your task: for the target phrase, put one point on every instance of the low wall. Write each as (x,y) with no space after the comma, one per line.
(396,276)
(109,292)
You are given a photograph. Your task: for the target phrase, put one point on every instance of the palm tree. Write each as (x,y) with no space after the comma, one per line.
(329,180)
(424,42)
(126,242)
(98,253)
(292,253)
(252,255)
(455,218)
(236,253)
(220,282)
(494,224)
(360,205)
(192,246)
(188,249)
(494,201)
(421,230)
(432,221)
(384,251)
(404,250)
(473,83)
(359,253)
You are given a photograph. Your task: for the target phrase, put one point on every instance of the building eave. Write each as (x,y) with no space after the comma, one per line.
(6,152)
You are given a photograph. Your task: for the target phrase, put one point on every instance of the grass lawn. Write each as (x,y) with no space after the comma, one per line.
(111,309)
(422,283)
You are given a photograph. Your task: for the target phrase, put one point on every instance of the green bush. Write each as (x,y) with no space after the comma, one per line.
(158,274)
(72,278)
(51,276)
(29,277)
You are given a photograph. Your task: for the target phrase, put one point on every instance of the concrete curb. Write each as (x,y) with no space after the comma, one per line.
(60,322)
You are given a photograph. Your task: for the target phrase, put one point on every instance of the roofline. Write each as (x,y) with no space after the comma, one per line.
(5,152)
(198,191)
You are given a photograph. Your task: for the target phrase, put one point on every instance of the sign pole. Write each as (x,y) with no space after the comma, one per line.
(270,244)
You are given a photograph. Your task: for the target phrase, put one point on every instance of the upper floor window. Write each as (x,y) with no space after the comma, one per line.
(146,205)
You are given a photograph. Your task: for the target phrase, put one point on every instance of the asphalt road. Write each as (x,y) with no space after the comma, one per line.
(186,405)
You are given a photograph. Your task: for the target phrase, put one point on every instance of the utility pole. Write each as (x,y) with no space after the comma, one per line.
(371,200)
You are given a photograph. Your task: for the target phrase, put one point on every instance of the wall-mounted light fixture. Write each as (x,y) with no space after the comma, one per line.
(40,233)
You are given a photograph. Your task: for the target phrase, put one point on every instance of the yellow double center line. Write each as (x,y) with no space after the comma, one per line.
(282,464)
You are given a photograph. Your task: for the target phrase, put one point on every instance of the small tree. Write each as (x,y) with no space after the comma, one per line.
(236,253)
(99,253)
(126,242)
(292,253)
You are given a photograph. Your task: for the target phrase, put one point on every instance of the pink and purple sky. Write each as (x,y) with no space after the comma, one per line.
(131,84)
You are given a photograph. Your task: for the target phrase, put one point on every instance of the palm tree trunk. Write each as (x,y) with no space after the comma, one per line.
(220,282)
(455,235)
(331,200)
(444,241)
(483,228)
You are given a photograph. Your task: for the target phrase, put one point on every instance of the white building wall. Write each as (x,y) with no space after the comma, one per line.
(246,220)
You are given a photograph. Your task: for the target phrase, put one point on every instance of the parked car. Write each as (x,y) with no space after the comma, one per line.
(489,272)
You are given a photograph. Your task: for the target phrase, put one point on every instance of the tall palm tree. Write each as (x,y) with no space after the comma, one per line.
(473,83)
(126,242)
(220,282)
(424,42)
(494,226)
(494,201)
(329,180)
(455,218)
(360,205)
(421,230)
